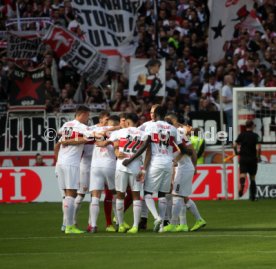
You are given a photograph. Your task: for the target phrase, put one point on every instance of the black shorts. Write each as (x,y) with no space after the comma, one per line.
(249,167)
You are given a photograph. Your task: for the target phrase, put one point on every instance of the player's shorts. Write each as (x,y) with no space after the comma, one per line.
(68,177)
(101,176)
(182,185)
(124,179)
(158,179)
(249,167)
(85,166)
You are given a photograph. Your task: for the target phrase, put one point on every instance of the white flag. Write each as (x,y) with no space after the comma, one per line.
(145,80)
(226,16)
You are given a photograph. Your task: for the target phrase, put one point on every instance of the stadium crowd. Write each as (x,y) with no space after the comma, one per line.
(180,35)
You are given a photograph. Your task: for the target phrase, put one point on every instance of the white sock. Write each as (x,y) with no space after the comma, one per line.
(63,215)
(89,217)
(151,205)
(94,211)
(120,210)
(144,209)
(77,206)
(114,208)
(136,212)
(182,216)
(193,208)
(178,203)
(162,206)
(168,214)
(69,210)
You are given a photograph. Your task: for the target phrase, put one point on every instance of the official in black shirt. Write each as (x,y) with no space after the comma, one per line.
(249,152)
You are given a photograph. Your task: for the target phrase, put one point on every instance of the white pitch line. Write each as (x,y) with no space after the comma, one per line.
(125,236)
(135,251)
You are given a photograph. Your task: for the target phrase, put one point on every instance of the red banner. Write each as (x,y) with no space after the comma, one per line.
(208,183)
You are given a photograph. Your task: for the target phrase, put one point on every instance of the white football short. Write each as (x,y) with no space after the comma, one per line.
(68,177)
(85,166)
(101,176)
(182,185)
(123,179)
(158,179)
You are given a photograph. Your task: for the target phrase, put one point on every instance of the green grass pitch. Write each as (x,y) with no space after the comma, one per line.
(239,234)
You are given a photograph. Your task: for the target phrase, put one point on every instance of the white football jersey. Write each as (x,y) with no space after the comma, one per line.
(144,125)
(185,162)
(130,140)
(103,156)
(89,146)
(71,154)
(163,137)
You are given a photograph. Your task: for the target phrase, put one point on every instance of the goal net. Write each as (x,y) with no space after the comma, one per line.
(258,105)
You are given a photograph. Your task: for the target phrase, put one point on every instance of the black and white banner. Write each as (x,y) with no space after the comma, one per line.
(36,133)
(79,54)
(110,27)
(23,47)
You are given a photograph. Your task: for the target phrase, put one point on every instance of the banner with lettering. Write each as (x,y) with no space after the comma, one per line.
(23,47)
(147,77)
(27,88)
(109,27)
(77,53)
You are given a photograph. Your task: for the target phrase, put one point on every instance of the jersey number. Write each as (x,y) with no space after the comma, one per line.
(164,139)
(68,132)
(132,144)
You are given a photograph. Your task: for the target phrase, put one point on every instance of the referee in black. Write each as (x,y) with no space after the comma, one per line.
(249,150)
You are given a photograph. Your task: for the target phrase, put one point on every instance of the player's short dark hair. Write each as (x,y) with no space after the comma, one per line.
(160,112)
(172,115)
(249,124)
(114,118)
(133,117)
(153,62)
(122,115)
(81,109)
(103,114)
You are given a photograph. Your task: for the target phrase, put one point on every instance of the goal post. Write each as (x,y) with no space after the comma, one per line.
(257,104)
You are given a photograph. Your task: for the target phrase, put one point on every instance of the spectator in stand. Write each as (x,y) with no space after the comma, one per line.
(39,160)
(210,89)
(118,100)
(184,77)
(227,100)
(172,87)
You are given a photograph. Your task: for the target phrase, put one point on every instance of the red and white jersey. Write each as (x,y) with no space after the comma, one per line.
(146,92)
(185,162)
(163,136)
(71,154)
(130,140)
(103,156)
(89,146)
(144,125)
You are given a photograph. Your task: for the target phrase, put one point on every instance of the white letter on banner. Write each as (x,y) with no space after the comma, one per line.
(222,194)
(202,175)
(17,186)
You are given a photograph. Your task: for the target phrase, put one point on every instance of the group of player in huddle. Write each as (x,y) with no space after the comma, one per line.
(122,159)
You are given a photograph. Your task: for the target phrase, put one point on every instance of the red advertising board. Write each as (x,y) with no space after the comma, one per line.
(37,184)
(19,185)
(208,183)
